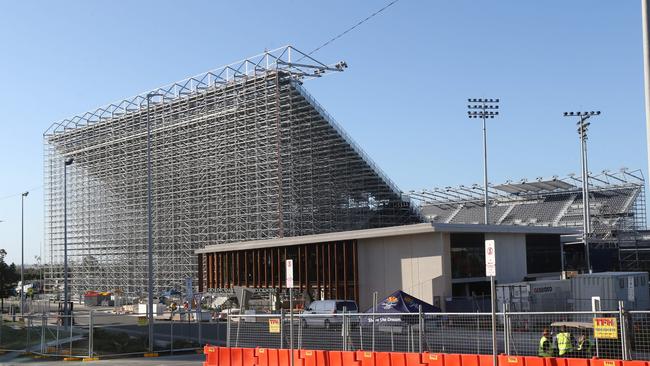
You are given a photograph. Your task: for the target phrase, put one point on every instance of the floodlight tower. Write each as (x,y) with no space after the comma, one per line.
(583,126)
(484,109)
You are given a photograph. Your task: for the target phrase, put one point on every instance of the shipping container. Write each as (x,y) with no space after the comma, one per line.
(547,295)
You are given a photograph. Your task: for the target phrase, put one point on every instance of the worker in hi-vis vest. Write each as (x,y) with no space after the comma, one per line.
(564,342)
(545,349)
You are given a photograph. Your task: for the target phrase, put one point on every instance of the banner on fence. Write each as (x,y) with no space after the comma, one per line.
(274,325)
(605,328)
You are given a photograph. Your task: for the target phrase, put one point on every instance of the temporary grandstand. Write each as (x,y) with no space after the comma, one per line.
(617,204)
(239,153)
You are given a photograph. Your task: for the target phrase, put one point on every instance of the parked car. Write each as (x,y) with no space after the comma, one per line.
(326,313)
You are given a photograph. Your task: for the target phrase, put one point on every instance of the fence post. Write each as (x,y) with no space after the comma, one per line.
(506,340)
(199,315)
(420,327)
(228,329)
(374,310)
(29,327)
(621,320)
(43,327)
(171,334)
(281,328)
(91,323)
(343,331)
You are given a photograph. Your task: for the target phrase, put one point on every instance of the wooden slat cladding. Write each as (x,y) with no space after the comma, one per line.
(327,270)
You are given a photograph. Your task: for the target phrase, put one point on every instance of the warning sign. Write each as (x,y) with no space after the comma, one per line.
(605,328)
(274,325)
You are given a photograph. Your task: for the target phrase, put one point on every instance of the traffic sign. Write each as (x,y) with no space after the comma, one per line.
(289,273)
(490,259)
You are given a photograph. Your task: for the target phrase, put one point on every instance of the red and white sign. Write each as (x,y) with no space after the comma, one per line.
(490,258)
(289,273)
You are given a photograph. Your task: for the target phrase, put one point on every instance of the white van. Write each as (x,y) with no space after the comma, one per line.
(325,313)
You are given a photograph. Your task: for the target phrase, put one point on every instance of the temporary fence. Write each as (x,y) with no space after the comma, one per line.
(99,333)
(617,335)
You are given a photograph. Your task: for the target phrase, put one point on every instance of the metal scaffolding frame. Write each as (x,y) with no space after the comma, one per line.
(239,153)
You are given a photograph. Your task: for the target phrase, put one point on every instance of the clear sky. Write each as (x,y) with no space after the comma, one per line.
(403,97)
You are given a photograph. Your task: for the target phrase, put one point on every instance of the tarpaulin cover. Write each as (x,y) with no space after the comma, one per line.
(401,302)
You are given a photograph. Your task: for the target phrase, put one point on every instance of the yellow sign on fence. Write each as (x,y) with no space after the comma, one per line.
(274,325)
(605,328)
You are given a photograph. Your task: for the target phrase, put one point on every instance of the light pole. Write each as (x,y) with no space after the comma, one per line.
(484,109)
(583,125)
(22,254)
(149,226)
(66,319)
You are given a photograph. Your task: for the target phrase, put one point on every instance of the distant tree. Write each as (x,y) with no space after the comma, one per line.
(9,277)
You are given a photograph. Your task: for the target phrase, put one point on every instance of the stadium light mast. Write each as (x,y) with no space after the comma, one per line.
(22,254)
(583,126)
(149,228)
(484,109)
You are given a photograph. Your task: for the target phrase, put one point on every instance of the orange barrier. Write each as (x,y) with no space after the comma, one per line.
(452,359)
(313,358)
(366,358)
(577,361)
(433,359)
(414,359)
(601,362)
(636,363)
(534,361)
(342,358)
(469,360)
(211,355)
(486,360)
(235,356)
(505,360)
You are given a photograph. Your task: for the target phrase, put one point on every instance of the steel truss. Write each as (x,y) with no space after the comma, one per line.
(239,153)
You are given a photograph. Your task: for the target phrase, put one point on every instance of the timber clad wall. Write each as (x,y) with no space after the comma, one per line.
(327,270)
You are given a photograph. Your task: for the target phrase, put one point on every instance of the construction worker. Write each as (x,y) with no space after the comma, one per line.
(583,348)
(545,349)
(564,342)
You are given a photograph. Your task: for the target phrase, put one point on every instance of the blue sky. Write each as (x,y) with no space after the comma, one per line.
(402,98)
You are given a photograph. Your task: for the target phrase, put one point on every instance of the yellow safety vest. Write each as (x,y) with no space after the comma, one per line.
(564,343)
(544,348)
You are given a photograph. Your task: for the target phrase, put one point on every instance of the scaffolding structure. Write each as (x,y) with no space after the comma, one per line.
(239,153)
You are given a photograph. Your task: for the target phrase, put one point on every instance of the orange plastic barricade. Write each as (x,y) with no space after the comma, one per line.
(635,363)
(211,355)
(433,359)
(262,355)
(486,360)
(248,358)
(534,361)
(601,362)
(414,359)
(236,357)
(577,361)
(452,359)
(342,358)
(366,358)
(272,357)
(505,360)
(312,358)
(388,359)
(555,361)
(224,356)
(469,360)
